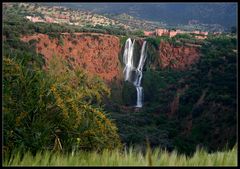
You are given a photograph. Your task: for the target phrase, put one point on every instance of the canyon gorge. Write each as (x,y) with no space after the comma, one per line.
(150,85)
(99,55)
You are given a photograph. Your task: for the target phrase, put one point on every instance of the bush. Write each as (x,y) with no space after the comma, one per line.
(61,41)
(154,41)
(60,104)
(183,36)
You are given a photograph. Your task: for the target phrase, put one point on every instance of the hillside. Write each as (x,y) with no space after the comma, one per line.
(179,13)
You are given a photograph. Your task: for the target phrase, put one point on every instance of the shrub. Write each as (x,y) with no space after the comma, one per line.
(154,41)
(183,36)
(60,41)
(60,104)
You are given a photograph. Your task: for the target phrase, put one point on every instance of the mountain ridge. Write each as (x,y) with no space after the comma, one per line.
(178,13)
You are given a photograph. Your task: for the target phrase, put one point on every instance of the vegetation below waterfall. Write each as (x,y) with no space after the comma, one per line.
(206,110)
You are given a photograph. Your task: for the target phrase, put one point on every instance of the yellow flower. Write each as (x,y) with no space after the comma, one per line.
(53,88)
(23,114)
(18,120)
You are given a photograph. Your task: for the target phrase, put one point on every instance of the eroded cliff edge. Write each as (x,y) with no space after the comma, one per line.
(96,53)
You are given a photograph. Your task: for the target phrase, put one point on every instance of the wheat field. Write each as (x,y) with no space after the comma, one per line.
(129,157)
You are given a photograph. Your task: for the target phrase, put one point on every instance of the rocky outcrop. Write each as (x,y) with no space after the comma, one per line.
(179,58)
(96,53)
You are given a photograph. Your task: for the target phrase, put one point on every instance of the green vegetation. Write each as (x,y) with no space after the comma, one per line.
(155,41)
(138,33)
(60,41)
(184,36)
(69,111)
(207,104)
(123,40)
(151,121)
(213,79)
(131,157)
(56,108)
(177,41)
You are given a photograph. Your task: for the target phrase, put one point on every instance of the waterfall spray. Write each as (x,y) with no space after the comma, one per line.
(129,68)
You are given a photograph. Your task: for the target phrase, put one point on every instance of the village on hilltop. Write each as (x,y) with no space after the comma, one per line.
(62,15)
(157,32)
(172,33)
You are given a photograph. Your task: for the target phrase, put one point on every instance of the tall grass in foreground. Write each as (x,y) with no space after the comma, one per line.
(129,157)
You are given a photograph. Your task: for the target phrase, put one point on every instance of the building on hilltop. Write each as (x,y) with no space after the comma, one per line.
(149,33)
(172,33)
(161,32)
(49,19)
(35,19)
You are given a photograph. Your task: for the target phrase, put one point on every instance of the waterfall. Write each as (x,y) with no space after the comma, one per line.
(139,96)
(143,56)
(128,59)
(129,68)
(137,82)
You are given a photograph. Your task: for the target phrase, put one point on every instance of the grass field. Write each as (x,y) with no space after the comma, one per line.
(129,157)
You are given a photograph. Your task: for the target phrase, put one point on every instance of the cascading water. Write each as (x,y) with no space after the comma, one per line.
(129,68)
(128,59)
(139,96)
(137,82)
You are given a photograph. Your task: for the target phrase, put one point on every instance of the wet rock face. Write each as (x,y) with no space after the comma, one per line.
(96,53)
(179,58)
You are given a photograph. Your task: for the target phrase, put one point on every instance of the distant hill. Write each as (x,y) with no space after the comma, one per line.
(224,14)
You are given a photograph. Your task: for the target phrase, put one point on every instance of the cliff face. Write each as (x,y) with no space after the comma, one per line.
(96,53)
(179,58)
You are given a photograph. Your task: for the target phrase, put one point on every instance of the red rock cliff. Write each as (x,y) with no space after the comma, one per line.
(97,53)
(179,58)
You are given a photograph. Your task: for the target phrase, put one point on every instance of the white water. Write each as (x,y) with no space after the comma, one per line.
(139,96)
(129,67)
(128,59)
(143,57)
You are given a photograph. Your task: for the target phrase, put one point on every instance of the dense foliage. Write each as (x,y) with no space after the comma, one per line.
(206,112)
(49,106)
(211,97)
(60,104)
